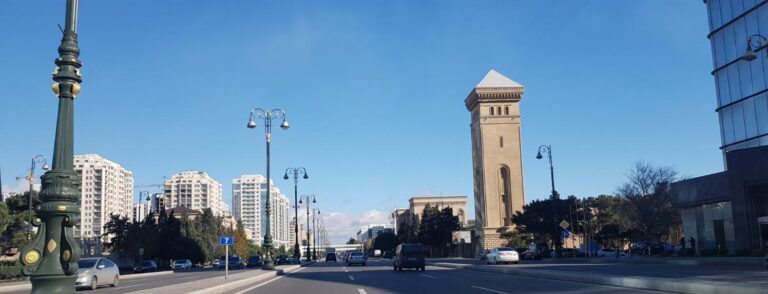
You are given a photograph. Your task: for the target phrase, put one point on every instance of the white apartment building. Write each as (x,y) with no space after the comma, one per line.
(195,190)
(140,211)
(157,202)
(107,188)
(248,204)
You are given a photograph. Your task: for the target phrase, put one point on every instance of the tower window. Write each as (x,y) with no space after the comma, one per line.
(492,110)
(506,110)
(501,141)
(498,109)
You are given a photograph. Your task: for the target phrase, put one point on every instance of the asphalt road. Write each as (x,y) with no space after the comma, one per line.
(377,277)
(155,281)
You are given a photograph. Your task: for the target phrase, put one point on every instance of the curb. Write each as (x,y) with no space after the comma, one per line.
(244,282)
(658,284)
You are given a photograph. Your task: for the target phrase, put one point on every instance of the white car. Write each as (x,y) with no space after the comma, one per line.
(356,258)
(609,252)
(181,264)
(96,271)
(502,255)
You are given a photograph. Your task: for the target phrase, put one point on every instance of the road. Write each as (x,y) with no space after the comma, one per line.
(377,277)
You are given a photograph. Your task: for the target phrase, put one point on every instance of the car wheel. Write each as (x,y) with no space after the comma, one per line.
(115,281)
(423,268)
(94,283)
(516,262)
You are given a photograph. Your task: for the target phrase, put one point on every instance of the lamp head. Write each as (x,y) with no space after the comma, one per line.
(314,200)
(301,202)
(45,166)
(285,177)
(284,125)
(538,155)
(306,176)
(251,123)
(749,55)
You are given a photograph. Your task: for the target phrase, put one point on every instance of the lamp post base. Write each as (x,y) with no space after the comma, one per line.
(53,284)
(268,266)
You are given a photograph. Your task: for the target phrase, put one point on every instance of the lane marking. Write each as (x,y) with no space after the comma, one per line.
(346,270)
(489,290)
(361,291)
(269,281)
(428,276)
(123,287)
(351,278)
(184,278)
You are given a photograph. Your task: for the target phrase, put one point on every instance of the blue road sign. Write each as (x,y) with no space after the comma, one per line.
(565,234)
(226,240)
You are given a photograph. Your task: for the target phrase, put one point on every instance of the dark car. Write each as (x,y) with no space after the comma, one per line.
(330,257)
(235,262)
(387,254)
(646,248)
(255,261)
(409,256)
(282,259)
(146,266)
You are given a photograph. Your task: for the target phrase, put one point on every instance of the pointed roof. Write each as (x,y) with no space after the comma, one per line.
(494,79)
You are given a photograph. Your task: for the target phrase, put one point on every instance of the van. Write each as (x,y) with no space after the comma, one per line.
(409,256)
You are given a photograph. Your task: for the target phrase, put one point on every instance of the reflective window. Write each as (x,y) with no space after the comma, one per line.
(727,123)
(739,130)
(761,113)
(750,119)
(714,11)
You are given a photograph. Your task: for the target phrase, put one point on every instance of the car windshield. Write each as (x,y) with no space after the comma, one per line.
(86,263)
(412,249)
(181,261)
(506,249)
(252,258)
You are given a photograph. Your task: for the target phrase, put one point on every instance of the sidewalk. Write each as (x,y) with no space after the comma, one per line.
(219,284)
(673,278)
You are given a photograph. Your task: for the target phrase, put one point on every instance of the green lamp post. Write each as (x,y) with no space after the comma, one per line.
(50,259)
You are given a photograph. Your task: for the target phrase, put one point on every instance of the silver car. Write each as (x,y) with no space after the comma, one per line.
(96,271)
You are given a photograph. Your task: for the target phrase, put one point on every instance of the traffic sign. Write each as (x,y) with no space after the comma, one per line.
(565,234)
(564,224)
(226,240)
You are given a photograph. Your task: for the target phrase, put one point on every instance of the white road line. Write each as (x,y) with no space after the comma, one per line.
(190,277)
(123,287)
(346,270)
(361,291)
(428,276)
(351,278)
(489,290)
(267,282)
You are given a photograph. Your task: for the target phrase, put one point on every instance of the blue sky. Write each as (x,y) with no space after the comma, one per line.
(374,91)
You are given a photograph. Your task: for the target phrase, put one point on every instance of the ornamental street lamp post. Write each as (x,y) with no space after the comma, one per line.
(315,211)
(555,197)
(296,171)
(31,181)
(267,116)
(50,259)
(307,198)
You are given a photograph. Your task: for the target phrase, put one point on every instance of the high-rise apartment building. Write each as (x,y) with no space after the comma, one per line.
(729,210)
(195,190)
(140,211)
(248,204)
(156,202)
(107,188)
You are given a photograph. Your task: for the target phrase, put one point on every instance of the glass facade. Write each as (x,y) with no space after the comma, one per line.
(742,98)
(708,223)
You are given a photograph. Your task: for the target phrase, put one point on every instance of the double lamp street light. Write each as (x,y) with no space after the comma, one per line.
(268,116)
(555,197)
(296,172)
(309,199)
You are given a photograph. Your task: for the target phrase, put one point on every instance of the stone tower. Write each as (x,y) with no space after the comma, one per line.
(496,156)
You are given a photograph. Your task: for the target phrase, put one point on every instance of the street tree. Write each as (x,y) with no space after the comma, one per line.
(241,246)
(648,206)
(408,231)
(385,241)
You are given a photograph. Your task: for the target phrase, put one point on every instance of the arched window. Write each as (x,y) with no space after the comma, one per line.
(498,109)
(492,110)
(505,197)
(506,110)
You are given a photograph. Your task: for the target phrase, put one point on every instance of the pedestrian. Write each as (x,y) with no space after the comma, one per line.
(693,245)
(682,243)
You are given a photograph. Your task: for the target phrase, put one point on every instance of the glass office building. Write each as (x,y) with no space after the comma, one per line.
(728,210)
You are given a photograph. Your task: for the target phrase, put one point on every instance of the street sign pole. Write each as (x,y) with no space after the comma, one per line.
(226,262)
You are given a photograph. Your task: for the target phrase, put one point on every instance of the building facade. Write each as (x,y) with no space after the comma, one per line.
(156,202)
(729,210)
(494,105)
(107,188)
(248,205)
(140,211)
(370,231)
(195,190)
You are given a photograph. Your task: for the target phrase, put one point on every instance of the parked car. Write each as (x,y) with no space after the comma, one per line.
(215,263)
(484,254)
(609,252)
(282,259)
(235,262)
(645,248)
(409,256)
(255,261)
(530,255)
(146,266)
(96,271)
(330,257)
(356,258)
(181,264)
(387,254)
(503,255)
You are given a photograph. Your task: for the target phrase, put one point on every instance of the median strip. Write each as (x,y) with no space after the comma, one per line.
(489,290)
